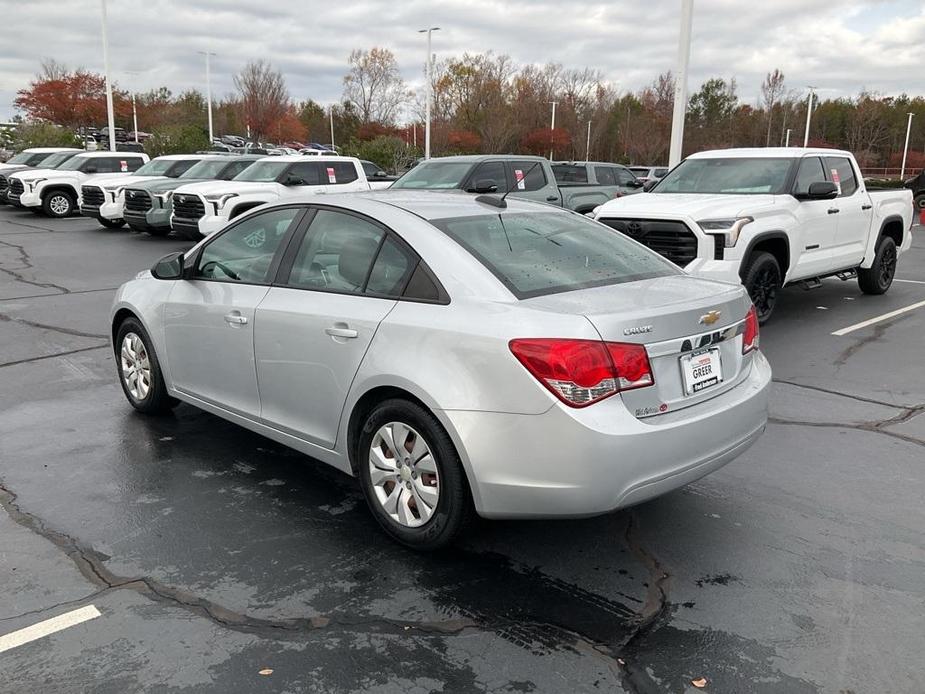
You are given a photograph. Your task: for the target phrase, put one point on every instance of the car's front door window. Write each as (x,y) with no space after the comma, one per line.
(245,252)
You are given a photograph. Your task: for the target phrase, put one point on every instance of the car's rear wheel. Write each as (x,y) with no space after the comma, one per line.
(762,280)
(920,202)
(140,371)
(58,203)
(112,223)
(411,475)
(878,278)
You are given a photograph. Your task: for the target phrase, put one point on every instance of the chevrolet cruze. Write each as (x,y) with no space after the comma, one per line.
(456,354)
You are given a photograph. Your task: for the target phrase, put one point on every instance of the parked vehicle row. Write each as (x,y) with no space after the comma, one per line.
(770,217)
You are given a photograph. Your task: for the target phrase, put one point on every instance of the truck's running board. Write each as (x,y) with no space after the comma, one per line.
(846,275)
(816,282)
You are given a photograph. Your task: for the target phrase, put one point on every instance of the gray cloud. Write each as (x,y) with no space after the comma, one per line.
(843,46)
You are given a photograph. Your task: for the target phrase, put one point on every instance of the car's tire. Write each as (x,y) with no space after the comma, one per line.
(112,223)
(762,280)
(139,370)
(920,202)
(878,277)
(158,231)
(59,204)
(428,489)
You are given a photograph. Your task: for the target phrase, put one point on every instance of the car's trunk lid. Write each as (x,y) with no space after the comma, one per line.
(675,317)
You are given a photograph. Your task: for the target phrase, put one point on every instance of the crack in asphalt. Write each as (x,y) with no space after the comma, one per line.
(859,398)
(70,293)
(17,362)
(842,358)
(866,426)
(5,317)
(27,265)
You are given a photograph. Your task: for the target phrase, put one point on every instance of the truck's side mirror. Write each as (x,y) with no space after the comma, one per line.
(170,267)
(293,180)
(90,170)
(635,183)
(648,185)
(483,185)
(819,190)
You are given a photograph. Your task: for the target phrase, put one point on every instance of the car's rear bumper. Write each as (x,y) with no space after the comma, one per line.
(584,462)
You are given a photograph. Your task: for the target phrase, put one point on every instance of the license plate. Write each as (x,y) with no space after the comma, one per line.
(701,370)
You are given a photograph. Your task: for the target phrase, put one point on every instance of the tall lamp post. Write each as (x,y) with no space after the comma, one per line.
(787,141)
(552,128)
(134,73)
(809,113)
(109,112)
(207,54)
(588,144)
(902,172)
(680,85)
(331,118)
(429,91)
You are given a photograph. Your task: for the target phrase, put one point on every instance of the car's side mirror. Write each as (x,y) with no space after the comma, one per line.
(648,185)
(820,190)
(484,185)
(380,174)
(170,267)
(293,180)
(90,170)
(635,183)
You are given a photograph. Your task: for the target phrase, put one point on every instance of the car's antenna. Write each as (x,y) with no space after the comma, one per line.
(499,202)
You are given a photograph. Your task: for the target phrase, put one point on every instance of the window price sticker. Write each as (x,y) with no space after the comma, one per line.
(836,179)
(332,178)
(123,166)
(519,175)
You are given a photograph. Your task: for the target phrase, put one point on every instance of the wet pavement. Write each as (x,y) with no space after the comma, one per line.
(214,554)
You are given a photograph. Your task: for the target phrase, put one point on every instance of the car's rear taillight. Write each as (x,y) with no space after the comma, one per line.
(750,334)
(582,372)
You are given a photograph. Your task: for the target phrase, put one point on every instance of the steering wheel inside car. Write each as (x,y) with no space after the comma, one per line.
(207,266)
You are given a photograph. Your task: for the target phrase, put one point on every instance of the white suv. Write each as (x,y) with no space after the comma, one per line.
(201,209)
(56,192)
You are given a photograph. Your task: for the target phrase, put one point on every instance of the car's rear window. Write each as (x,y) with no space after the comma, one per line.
(540,253)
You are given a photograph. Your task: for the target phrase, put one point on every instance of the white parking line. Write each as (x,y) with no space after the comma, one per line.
(877,319)
(49,626)
(910,281)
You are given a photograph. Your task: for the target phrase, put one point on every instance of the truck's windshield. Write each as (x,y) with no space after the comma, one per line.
(435,175)
(263,171)
(732,175)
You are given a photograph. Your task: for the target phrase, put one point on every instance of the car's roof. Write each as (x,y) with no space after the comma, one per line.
(473,158)
(107,153)
(588,163)
(431,204)
(178,157)
(50,150)
(302,157)
(767,153)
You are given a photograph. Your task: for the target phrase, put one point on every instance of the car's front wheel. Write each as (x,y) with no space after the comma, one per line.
(58,203)
(139,370)
(411,475)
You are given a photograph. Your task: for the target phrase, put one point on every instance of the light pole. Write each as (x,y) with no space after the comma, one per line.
(680,85)
(430,90)
(588,144)
(552,128)
(134,73)
(109,113)
(809,113)
(787,141)
(902,172)
(331,118)
(208,92)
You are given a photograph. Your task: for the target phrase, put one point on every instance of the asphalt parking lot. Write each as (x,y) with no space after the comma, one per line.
(218,561)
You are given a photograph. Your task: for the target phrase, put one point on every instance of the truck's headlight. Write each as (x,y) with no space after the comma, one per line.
(219,199)
(34,184)
(731,228)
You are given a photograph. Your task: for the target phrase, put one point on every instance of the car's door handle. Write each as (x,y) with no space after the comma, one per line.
(235,318)
(833,210)
(341,332)
(552,198)
(866,207)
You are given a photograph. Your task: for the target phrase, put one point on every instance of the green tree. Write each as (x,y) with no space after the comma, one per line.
(43,135)
(177,139)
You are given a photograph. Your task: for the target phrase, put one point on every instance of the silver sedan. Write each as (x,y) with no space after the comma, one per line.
(458,355)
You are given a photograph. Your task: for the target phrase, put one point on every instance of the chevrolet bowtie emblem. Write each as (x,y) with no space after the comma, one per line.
(710,318)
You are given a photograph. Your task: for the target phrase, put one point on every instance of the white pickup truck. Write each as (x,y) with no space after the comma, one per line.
(56,192)
(770,217)
(201,209)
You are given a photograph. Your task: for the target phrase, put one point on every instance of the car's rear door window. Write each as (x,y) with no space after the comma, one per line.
(527,175)
(544,253)
(842,174)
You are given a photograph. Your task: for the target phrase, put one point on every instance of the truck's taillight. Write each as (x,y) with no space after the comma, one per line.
(750,335)
(582,372)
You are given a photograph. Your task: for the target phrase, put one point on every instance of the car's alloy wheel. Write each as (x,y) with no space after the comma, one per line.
(136,366)
(762,279)
(404,474)
(878,278)
(59,205)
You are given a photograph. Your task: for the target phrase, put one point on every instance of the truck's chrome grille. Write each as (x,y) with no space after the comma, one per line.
(188,206)
(92,196)
(137,200)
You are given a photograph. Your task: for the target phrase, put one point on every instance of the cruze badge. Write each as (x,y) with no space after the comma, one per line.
(638,330)
(710,318)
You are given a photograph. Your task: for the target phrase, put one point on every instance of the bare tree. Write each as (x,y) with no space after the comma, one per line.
(772,90)
(53,70)
(264,97)
(374,85)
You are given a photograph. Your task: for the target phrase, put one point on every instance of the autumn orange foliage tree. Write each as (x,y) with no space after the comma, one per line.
(70,99)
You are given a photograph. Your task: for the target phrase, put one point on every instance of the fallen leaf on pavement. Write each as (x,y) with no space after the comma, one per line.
(700,682)
(266,671)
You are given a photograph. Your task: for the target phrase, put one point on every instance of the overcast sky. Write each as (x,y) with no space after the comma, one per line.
(841,45)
